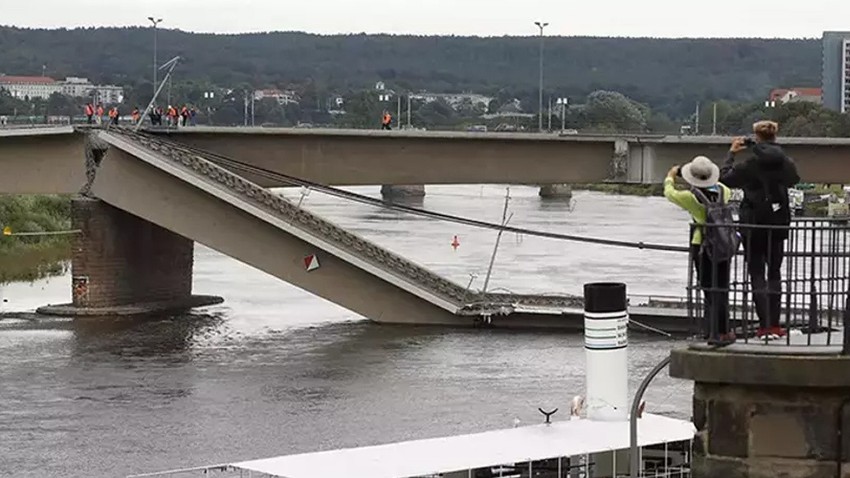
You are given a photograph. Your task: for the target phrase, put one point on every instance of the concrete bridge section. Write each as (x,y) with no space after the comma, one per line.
(184,194)
(50,160)
(366,157)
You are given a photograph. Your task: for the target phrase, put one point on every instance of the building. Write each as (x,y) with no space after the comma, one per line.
(836,71)
(30,87)
(282,97)
(76,87)
(108,94)
(455,100)
(796,95)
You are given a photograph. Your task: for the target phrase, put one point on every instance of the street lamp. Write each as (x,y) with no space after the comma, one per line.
(541,26)
(154,23)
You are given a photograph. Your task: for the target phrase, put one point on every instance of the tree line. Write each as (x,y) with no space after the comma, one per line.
(669,75)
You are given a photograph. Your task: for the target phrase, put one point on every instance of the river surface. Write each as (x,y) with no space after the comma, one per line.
(275,370)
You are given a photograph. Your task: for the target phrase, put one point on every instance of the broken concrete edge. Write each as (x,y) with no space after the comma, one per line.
(147,308)
(824,367)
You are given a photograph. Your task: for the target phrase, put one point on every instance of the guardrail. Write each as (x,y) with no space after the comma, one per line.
(787,285)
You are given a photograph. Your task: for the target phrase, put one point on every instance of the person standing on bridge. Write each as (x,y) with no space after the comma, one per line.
(765,174)
(89,111)
(387,121)
(713,245)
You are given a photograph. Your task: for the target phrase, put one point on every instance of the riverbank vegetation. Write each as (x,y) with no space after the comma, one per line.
(27,258)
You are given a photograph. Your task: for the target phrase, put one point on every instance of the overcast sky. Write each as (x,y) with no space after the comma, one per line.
(656,18)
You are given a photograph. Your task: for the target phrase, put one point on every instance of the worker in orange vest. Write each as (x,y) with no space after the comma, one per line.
(89,110)
(387,121)
(136,115)
(172,116)
(99,114)
(113,115)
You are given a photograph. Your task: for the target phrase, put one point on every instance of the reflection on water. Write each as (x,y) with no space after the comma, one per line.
(274,370)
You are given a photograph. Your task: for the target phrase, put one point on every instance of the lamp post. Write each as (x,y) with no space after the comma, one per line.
(154,23)
(541,26)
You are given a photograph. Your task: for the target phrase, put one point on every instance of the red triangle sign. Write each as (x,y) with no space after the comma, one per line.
(311,262)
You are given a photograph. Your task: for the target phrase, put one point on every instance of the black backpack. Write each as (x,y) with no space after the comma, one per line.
(721,242)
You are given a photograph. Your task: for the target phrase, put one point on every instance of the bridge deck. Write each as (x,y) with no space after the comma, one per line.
(350,248)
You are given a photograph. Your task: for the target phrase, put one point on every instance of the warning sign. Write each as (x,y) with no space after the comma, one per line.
(311,262)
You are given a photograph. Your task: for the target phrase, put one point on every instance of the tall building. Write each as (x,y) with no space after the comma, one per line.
(836,71)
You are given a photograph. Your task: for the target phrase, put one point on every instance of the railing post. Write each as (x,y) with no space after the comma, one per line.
(634,456)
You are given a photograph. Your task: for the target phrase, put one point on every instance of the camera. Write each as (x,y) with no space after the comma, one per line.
(749,142)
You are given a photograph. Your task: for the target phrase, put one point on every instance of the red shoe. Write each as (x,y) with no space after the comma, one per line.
(762,332)
(778,331)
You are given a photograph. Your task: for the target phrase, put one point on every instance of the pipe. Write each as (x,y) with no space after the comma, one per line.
(634,468)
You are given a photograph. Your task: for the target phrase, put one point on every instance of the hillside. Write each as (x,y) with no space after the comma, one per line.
(668,74)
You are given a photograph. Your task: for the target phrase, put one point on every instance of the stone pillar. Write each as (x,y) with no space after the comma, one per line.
(122,264)
(766,413)
(389,191)
(556,191)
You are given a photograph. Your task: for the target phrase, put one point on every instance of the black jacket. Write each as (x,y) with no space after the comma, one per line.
(765,165)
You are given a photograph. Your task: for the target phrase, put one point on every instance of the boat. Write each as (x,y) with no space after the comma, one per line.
(594,441)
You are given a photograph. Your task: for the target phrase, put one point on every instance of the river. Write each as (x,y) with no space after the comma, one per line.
(275,370)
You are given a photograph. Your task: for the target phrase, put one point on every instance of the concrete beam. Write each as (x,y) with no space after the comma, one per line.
(371,157)
(42,161)
(367,157)
(200,210)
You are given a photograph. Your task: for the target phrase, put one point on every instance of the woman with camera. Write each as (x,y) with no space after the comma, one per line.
(709,256)
(764,172)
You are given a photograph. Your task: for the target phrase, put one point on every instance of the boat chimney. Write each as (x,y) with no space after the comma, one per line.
(606,343)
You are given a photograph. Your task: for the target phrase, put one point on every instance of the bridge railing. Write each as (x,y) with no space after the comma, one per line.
(787,285)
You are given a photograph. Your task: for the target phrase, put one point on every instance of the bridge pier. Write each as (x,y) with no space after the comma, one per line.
(763,413)
(389,191)
(556,191)
(124,265)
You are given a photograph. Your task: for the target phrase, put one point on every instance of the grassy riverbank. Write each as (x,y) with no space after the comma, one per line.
(623,189)
(26,258)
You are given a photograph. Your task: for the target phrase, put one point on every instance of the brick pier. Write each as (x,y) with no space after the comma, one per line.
(124,265)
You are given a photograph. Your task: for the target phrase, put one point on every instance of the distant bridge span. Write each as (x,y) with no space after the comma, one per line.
(51,160)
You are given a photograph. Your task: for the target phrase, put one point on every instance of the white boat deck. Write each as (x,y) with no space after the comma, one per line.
(465,452)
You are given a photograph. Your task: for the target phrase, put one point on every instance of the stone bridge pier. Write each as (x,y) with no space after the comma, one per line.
(124,265)
(768,411)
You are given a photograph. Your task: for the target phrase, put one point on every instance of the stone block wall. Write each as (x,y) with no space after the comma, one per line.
(768,413)
(121,259)
(770,432)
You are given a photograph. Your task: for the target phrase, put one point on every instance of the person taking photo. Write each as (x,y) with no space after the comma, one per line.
(714,240)
(760,167)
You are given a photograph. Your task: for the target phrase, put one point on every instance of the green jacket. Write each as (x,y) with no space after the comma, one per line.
(685,199)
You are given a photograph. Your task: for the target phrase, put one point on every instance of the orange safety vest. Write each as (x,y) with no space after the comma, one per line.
(388,119)
(89,110)
(100,111)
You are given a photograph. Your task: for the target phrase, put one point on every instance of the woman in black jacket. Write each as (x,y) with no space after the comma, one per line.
(765,173)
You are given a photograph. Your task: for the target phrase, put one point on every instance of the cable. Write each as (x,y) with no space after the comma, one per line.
(354,197)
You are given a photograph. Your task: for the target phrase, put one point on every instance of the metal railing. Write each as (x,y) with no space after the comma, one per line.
(787,285)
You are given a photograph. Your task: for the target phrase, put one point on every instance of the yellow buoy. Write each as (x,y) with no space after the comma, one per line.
(7,231)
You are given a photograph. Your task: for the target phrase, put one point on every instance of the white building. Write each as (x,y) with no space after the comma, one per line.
(282,97)
(109,94)
(30,87)
(455,100)
(76,87)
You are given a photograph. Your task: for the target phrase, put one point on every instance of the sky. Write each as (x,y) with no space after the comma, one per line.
(630,18)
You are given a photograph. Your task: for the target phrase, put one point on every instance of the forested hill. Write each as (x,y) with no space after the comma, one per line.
(668,74)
